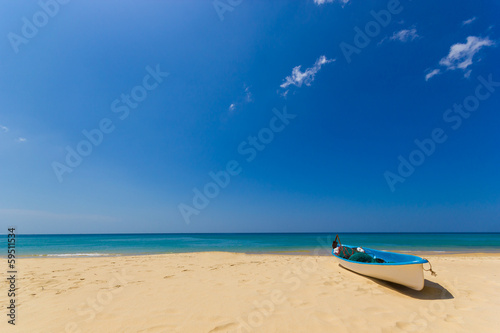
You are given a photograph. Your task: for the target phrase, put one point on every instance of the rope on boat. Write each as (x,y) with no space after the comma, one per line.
(342,249)
(430,268)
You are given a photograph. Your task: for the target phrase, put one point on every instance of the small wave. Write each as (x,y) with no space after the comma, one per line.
(75,255)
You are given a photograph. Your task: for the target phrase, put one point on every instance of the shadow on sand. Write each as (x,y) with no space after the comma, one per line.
(431,291)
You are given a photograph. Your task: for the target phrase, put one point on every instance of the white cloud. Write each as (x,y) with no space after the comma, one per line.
(246,98)
(307,77)
(21,139)
(405,35)
(469,21)
(248,95)
(432,73)
(320,2)
(460,55)
(4,129)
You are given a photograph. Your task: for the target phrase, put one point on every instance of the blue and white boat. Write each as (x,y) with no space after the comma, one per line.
(404,269)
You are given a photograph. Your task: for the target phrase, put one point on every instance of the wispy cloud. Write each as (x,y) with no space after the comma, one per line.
(469,21)
(461,55)
(321,2)
(247,97)
(432,73)
(307,77)
(5,129)
(405,35)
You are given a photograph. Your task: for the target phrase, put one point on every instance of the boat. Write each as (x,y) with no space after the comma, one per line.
(403,269)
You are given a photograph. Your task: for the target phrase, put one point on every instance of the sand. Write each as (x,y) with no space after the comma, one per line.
(231,292)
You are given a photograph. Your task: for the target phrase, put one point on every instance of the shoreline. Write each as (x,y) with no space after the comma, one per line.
(324,253)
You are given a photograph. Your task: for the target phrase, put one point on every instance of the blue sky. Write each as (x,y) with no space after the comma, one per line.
(175,90)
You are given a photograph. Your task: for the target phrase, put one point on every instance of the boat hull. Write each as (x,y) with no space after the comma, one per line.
(407,271)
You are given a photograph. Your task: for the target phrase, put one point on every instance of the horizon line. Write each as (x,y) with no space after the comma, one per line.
(249,233)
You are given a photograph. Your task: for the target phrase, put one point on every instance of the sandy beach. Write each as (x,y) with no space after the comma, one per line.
(232,292)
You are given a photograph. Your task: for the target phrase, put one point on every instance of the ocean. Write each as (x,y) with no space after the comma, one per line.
(292,243)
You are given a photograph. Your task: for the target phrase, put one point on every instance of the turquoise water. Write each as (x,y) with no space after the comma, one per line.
(307,243)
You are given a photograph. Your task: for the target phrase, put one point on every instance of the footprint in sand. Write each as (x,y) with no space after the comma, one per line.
(157,329)
(374,311)
(137,282)
(223,328)
(171,311)
(338,279)
(299,303)
(411,327)
(454,319)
